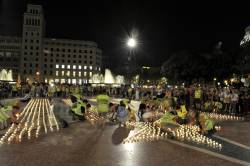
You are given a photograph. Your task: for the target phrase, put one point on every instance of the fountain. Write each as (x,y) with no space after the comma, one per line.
(107,79)
(6,75)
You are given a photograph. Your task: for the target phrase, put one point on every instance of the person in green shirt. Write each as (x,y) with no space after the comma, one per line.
(103,105)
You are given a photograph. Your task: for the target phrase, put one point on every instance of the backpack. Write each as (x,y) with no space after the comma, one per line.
(121,111)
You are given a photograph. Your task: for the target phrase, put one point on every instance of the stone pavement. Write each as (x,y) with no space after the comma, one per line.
(83,144)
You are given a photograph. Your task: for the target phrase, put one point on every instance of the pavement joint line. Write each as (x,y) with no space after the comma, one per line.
(231,159)
(232,142)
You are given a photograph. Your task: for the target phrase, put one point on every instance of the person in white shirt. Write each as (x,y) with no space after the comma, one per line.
(234,101)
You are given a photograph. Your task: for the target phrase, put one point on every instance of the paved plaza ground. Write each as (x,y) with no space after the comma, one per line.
(84,144)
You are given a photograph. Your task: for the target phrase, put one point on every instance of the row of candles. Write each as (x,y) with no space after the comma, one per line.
(29,119)
(224,117)
(150,132)
(191,133)
(147,132)
(92,117)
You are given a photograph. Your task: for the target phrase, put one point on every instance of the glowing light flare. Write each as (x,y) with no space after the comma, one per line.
(131,42)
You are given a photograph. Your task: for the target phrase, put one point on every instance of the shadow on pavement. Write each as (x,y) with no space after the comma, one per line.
(119,135)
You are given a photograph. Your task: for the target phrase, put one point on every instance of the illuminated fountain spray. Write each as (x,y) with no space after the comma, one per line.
(108,78)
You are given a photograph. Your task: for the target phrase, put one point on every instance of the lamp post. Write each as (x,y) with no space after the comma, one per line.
(131,44)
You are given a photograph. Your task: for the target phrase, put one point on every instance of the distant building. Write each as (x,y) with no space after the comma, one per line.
(10,53)
(48,59)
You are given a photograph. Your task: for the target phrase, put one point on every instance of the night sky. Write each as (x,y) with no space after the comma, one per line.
(163,27)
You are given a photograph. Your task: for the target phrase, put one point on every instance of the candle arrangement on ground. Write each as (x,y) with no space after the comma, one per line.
(151,131)
(147,132)
(29,121)
(92,116)
(217,116)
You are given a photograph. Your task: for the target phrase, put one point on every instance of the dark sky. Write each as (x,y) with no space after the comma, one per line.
(163,27)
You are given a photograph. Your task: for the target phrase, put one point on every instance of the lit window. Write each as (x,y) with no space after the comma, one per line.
(68,66)
(74,66)
(69,81)
(62,73)
(57,74)
(63,66)
(90,74)
(79,67)
(73,81)
(85,67)
(62,81)
(46,80)
(68,73)
(80,74)
(99,69)
(80,82)
(90,67)
(85,74)
(57,66)
(74,73)
(57,80)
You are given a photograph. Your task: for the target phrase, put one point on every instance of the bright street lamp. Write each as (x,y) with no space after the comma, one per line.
(131,42)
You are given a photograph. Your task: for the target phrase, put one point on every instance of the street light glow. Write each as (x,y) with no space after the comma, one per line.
(131,42)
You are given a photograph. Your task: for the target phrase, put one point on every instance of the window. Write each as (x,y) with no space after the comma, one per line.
(99,69)
(30,71)
(90,51)
(57,60)
(63,50)
(68,73)
(62,73)
(90,67)
(74,61)
(90,74)
(50,72)
(90,57)
(31,41)
(24,71)
(57,80)
(45,65)
(57,55)
(57,73)
(74,66)
(30,64)
(45,72)
(79,74)
(37,48)
(90,62)
(57,66)
(85,74)
(68,61)
(85,67)
(80,56)
(37,41)
(31,53)
(69,56)
(80,67)
(25,47)
(51,65)
(74,56)
(31,47)
(74,73)
(68,66)
(85,51)
(62,81)
(73,81)
(57,49)
(36,65)
(80,51)
(51,60)
(85,62)
(36,59)
(24,58)
(51,49)
(24,65)
(79,61)
(69,50)
(63,55)
(62,60)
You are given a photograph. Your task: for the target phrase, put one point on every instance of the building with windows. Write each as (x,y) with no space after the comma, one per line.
(10,53)
(49,59)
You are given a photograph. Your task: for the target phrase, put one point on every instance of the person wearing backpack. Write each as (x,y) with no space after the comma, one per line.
(122,114)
